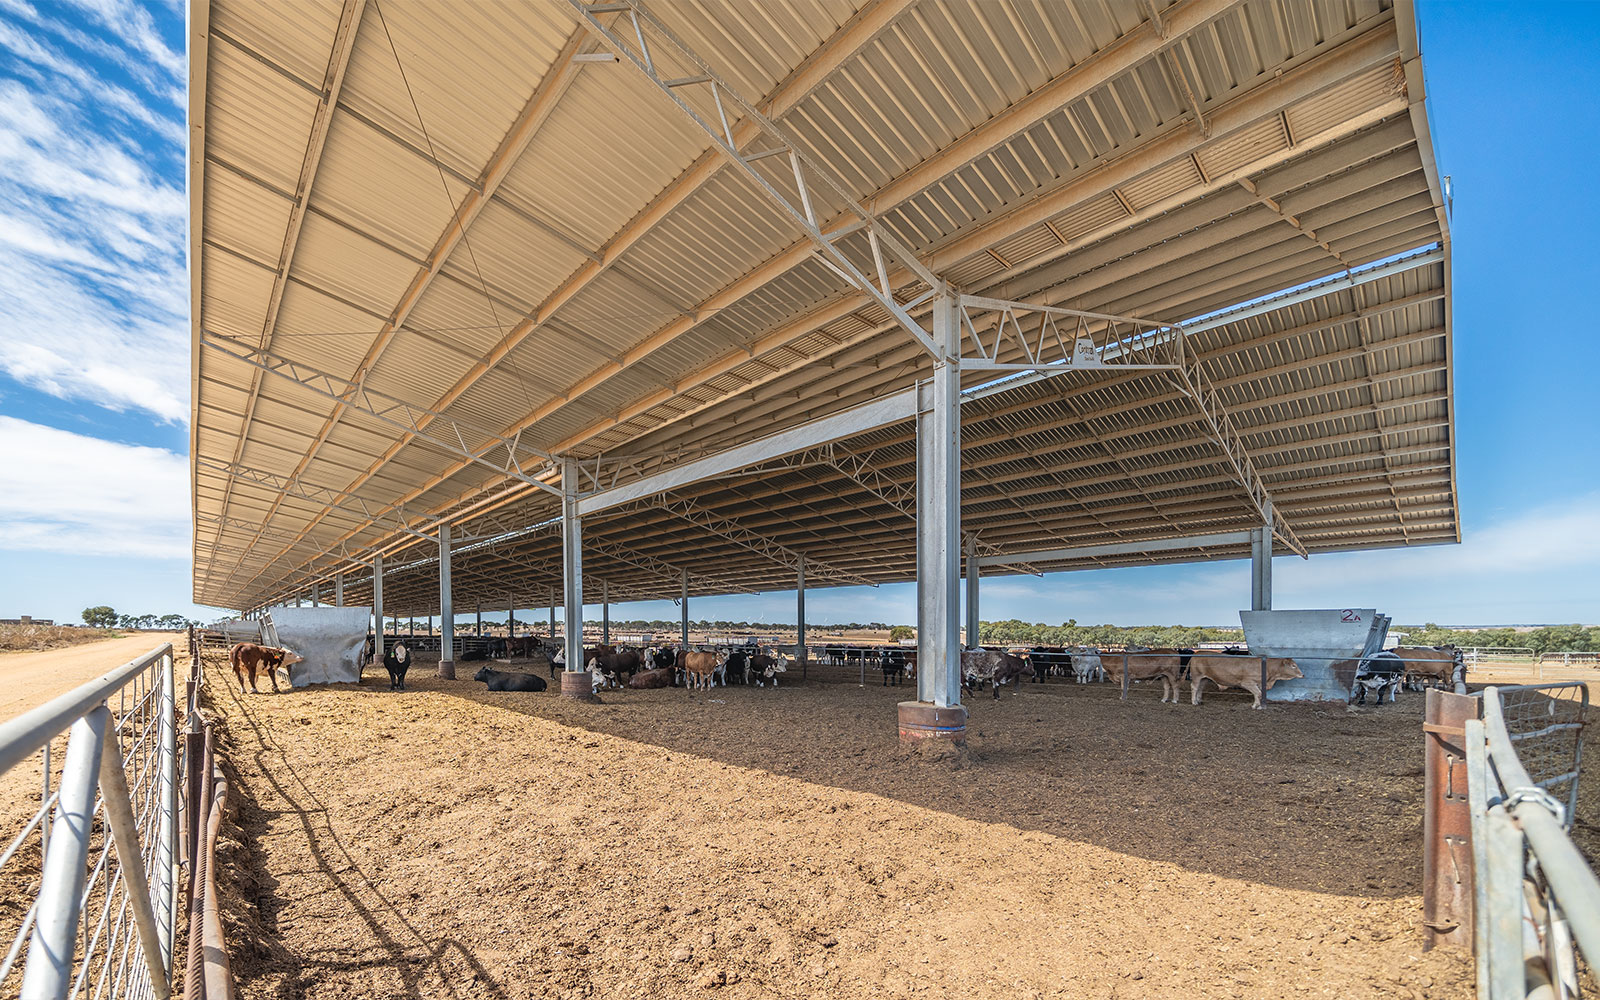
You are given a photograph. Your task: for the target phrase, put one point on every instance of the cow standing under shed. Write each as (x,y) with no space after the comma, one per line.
(1144,665)
(978,665)
(397,661)
(1381,672)
(1240,672)
(700,667)
(249,657)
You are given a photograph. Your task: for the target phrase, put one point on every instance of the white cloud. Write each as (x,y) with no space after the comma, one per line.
(80,495)
(93,287)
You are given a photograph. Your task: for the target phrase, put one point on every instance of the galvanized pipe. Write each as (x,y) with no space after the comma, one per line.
(167,837)
(572,564)
(377,607)
(51,948)
(447,611)
(125,837)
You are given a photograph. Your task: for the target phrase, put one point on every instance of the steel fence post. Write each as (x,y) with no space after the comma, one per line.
(166,849)
(50,952)
(130,857)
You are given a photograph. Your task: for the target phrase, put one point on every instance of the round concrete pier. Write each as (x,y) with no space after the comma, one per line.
(577,685)
(447,669)
(922,720)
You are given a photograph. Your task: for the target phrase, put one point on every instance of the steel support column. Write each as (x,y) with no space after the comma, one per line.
(511,616)
(800,611)
(338,590)
(477,628)
(937,712)
(1261,565)
(974,570)
(447,610)
(552,614)
(605,612)
(377,608)
(686,608)
(575,682)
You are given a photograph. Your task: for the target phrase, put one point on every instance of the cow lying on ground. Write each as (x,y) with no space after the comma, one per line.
(471,653)
(1381,672)
(505,680)
(1428,666)
(397,661)
(1145,665)
(1240,672)
(661,677)
(248,657)
(978,665)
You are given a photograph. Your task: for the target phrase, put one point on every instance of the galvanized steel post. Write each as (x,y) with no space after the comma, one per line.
(447,610)
(575,681)
(937,711)
(49,969)
(800,614)
(338,590)
(973,640)
(605,612)
(377,608)
(685,609)
(1261,565)
(167,836)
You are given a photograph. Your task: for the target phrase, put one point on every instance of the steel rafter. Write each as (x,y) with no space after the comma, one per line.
(356,396)
(795,195)
(705,520)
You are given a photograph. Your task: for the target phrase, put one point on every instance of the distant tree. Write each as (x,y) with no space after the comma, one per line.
(100,616)
(171,622)
(900,632)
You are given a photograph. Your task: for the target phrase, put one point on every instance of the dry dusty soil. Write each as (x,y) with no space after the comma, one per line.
(448,842)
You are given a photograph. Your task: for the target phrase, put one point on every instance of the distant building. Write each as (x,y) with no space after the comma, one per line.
(26,620)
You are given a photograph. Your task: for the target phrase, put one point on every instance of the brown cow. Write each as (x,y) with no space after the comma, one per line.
(1240,672)
(701,667)
(658,678)
(1145,665)
(1427,665)
(247,657)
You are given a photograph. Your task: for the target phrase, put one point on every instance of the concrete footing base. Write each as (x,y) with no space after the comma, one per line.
(922,720)
(447,669)
(577,685)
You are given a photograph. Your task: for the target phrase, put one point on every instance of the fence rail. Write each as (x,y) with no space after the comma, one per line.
(1536,902)
(102,846)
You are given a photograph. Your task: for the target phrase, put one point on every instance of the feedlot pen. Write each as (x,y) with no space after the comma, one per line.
(448,842)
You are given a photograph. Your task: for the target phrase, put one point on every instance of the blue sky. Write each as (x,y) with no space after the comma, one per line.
(94,342)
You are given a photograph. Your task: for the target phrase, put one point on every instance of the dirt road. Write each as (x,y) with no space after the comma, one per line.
(31,679)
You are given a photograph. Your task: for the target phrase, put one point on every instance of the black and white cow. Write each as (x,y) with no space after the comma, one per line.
(1381,672)
(893,664)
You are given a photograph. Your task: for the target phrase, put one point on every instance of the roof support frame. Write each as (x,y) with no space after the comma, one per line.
(1119,548)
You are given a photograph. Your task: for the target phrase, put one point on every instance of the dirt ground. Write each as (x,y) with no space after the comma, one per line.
(444,841)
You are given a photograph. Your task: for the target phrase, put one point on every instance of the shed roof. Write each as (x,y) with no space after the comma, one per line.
(418,225)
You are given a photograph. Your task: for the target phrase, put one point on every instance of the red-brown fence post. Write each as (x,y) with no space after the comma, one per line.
(1447,876)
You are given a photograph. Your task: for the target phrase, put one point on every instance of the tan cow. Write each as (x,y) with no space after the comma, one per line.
(1429,665)
(1144,665)
(1240,672)
(700,667)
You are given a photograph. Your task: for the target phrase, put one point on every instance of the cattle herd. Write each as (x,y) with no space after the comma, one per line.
(702,668)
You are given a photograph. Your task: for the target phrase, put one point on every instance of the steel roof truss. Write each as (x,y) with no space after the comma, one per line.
(796,200)
(394,411)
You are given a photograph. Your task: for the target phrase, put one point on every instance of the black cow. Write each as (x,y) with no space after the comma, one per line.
(610,667)
(397,661)
(893,664)
(506,680)
(734,671)
(496,648)
(470,653)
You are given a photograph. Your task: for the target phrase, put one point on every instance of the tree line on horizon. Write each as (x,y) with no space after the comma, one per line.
(102,616)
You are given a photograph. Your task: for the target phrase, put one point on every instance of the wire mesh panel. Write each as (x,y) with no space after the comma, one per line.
(1545,723)
(90,785)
